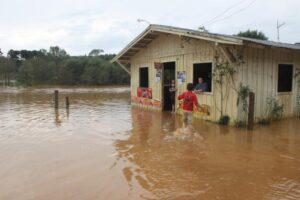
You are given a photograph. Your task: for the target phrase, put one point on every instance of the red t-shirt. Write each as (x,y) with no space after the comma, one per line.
(189,100)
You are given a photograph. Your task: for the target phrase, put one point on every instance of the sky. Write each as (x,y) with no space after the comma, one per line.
(78,26)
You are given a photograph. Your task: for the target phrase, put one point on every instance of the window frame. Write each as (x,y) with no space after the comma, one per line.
(212,69)
(140,68)
(277,78)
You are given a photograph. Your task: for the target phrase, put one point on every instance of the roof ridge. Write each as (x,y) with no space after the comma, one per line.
(223,35)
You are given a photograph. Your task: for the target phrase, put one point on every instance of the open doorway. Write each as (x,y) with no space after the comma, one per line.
(168,76)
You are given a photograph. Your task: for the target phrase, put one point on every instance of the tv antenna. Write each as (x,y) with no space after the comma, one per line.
(143,20)
(278,27)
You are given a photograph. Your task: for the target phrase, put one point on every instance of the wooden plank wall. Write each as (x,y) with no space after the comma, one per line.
(260,72)
(185,52)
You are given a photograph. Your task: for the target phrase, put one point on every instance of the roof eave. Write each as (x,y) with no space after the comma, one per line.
(155,28)
(132,43)
(204,36)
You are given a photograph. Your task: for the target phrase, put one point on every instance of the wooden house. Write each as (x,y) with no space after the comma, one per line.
(163,53)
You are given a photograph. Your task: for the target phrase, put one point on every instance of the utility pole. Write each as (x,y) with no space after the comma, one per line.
(278,27)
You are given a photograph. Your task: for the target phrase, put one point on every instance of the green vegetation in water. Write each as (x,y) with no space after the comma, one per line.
(243,94)
(264,121)
(240,124)
(7,70)
(224,120)
(55,67)
(274,111)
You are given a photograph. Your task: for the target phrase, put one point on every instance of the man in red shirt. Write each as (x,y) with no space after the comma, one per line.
(189,101)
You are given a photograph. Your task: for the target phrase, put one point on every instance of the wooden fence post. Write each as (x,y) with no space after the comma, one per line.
(251,111)
(67,102)
(56,99)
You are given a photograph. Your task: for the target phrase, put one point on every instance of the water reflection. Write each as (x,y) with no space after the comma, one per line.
(240,162)
(249,137)
(57,119)
(100,148)
(165,168)
(68,112)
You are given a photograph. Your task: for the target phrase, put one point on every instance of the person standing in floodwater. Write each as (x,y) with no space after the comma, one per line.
(172,90)
(189,101)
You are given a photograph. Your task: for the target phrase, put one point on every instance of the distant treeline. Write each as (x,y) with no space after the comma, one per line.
(57,67)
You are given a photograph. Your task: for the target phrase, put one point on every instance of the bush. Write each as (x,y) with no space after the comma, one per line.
(224,120)
(274,109)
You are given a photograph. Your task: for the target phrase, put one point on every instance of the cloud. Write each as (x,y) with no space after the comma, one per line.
(80,26)
(78,34)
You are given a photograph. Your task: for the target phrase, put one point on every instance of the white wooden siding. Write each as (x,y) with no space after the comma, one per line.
(259,72)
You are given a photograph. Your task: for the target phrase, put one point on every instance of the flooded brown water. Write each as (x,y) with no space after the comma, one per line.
(101,148)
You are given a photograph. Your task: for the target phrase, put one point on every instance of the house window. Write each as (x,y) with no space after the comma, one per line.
(144,78)
(203,70)
(285,78)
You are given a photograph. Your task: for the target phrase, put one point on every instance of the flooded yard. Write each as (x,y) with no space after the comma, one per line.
(101,148)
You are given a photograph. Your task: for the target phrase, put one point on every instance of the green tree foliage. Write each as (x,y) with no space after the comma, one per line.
(96,52)
(24,54)
(71,70)
(56,51)
(18,56)
(99,71)
(253,34)
(7,70)
(56,67)
(37,71)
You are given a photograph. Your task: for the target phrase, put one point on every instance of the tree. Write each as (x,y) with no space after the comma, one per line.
(7,69)
(71,71)
(43,52)
(253,34)
(13,54)
(56,51)
(96,52)
(24,54)
(39,67)
(37,71)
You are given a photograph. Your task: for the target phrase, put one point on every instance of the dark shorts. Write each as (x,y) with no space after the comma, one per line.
(172,98)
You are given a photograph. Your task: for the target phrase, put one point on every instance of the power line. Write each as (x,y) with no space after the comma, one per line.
(224,12)
(238,11)
(252,2)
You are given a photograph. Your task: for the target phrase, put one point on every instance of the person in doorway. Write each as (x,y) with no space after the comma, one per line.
(201,86)
(189,101)
(172,90)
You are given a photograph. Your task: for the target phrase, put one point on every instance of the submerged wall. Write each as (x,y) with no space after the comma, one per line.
(260,72)
(184,52)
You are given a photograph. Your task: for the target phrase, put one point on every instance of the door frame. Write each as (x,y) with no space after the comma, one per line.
(163,82)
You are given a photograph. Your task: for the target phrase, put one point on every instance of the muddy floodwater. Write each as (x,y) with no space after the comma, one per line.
(101,148)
